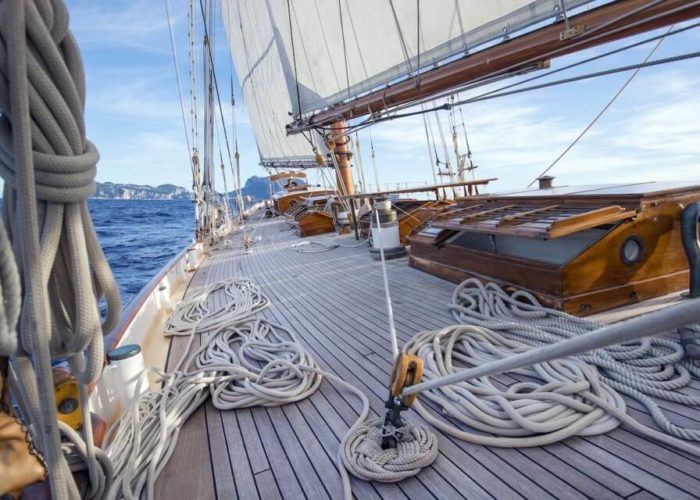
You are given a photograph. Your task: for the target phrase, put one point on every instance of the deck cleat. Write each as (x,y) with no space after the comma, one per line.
(408,370)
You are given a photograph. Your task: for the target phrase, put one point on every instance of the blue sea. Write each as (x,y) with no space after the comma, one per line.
(140,236)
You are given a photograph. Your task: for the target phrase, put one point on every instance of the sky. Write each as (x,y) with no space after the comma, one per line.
(652,132)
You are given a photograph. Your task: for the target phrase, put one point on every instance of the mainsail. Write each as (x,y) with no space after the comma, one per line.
(345,48)
(266,75)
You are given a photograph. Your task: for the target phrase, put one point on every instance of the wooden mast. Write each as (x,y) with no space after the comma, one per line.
(607,23)
(339,138)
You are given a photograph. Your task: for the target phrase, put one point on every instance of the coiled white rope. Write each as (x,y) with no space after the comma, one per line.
(316,246)
(570,402)
(239,299)
(362,452)
(243,362)
(644,369)
(48,166)
(255,363)
(247,362)
(555,400)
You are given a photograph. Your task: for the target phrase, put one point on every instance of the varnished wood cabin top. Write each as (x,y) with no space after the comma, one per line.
(636,190)
(334,301)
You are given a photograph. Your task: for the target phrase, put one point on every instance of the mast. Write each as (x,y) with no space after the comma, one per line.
(342,154)
(208,177)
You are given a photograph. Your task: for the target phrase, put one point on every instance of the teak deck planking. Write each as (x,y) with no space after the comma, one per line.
(334,303)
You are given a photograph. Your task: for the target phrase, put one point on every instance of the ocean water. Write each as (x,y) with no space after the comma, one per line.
(140,236)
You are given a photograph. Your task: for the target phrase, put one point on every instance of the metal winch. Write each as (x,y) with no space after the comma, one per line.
(385,231)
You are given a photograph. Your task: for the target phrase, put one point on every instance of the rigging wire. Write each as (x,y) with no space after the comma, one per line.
(469,149)
(498,91)
(345,51)
(294,56)
(430,153)
(216,83)
(177,74)
(374,162)
(619,69)
(600,113)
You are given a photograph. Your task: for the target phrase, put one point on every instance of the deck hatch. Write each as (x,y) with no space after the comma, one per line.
(534,220)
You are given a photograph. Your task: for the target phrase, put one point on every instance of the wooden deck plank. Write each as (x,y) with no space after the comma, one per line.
(290,451)
(267,485)
(518,480)
(279,460)
(557,487)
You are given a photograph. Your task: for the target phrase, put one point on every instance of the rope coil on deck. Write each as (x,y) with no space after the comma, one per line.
(650,367)
(364,457)
(316,246)
(557,400)
(243,362)
(240,299)
(256,363)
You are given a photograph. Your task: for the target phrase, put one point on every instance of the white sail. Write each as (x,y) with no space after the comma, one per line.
(267,79)
(349,47)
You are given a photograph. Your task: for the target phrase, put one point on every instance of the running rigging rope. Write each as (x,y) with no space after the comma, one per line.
(243,362)
(49,168)
(602,111)
(643,369)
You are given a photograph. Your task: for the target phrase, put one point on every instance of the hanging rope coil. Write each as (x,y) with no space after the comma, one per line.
(240,299)
(645,369)
(49,167)
(10,295)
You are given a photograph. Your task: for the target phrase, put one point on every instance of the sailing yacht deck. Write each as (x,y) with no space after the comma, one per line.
(334,301)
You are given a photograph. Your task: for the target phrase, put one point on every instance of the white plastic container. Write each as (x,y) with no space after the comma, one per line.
(126,374)
(387,238)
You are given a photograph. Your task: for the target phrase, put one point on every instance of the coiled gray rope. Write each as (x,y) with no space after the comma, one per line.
(256,363)
(644,369)
(10,297)
(49,167)
(571,401)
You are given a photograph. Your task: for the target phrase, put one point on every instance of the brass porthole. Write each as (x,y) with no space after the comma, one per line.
(632,250)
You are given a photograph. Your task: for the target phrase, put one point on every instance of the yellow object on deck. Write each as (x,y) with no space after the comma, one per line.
(67,397)
(408,370)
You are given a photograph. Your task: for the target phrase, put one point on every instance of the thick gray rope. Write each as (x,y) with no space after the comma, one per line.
(10,296)
(49,166)
(648,368)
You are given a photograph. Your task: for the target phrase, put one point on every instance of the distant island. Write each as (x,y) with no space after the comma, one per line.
(256,187)
(114,191)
